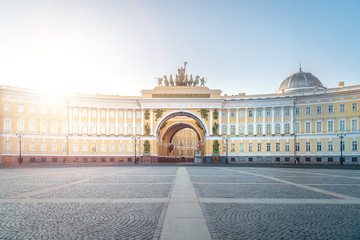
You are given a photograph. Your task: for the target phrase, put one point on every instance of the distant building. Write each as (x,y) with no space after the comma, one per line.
(302,122)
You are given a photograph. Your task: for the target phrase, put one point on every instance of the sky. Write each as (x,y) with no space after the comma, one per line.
(120,47)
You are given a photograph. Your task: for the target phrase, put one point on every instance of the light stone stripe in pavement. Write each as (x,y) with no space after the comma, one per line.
(279,201)
(184,218)
(238,183)
(49,189)
(319,174)
(297,185)
(85,200)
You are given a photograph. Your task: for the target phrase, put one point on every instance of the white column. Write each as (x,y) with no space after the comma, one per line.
(228,122)
(255,123)
(282,120)
(273,120)
(107,121)
(125,121)
(211,121)
(116,121)
(151,123)
(89,121)
(98,121)
(70,119)
(134,121)
(80,128)
(142,122)
(237,122)
(264,121)
(220,122)
(246,121)
(292,120)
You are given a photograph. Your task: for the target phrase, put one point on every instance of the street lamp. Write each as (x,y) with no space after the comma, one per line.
(341,136)
(181,153)
(20,135)
(135,138)
(226,138)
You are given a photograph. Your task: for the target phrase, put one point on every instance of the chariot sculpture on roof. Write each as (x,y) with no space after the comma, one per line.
(181,79)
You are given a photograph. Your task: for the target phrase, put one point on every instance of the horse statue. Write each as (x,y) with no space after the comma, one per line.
(171,81)
(159,81)
(166,82)
(203,81)
(196,82)
(191,81)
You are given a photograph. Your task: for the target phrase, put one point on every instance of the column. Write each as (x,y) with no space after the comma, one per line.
(237,122)
(292,119)
(80,121)
(246,121)
(282,120)
(70,120)
(151,123)
(220,122)
(98,121)
(125,121)
(116,121)
(134,122)
(211,121)
(89,121)
(264,121)
(142,122)
(273,120)
(228,122)
(255,123)
(107,121)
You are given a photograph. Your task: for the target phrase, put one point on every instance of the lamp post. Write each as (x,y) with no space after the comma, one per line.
(341,136)
(181,153)
(226,138)
(135,138)
(20,135)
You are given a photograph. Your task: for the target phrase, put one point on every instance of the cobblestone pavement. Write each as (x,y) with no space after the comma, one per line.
(130,202)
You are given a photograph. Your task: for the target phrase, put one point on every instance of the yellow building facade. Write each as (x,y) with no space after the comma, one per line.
(303,122)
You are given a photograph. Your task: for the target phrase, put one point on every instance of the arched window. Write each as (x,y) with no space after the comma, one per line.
(277,128)
(121,129)
(129,129)
(138,129)
(103,128)
(251,128)
(268,127)
(75,127)
(223,128)
(232,129)
(259,128)
(84,127)
(112,128)
(242,127)
(287,127)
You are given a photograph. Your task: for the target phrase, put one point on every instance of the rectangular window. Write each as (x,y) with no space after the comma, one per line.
(121,147)
(250,147)
(103,147)
(241,113)
(223,114)
(259,113)
(268,128)
(307,127)
(21,108)
(64,147)
(342,107)
(297,127)
(7,125)
(297,111)
(232,148)
(54,147)
(250,113)
(54,126)
(319,127)
(7,107)
(129,148)
(64,127)
(354,125)
(102,113)
(84,147)
(7,146)
(307,147)
(330,146)
(277,147)
(277,112)
(287,111)
(342,127)
(330,125)
(354,146)
(75,147)
(318,110)
(342,146)
(121,114)
(268,147)
(259,147)
(32,147)
(43,146)
(354,107)
(318,159)
(138,114)
(32,126)
(112,148)
(43,126)
(287,147)
(308,111)
(232,114)
(297,147)
(21,125)
(241,147)
(32,109)
(307,159)
(277,128)
(331,109)
(318,147)
(330,159)
(268,112)
(354,159)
